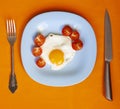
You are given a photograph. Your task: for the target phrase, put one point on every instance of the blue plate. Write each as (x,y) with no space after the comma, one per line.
(83,62)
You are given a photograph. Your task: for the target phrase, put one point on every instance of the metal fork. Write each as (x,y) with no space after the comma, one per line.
(11,37)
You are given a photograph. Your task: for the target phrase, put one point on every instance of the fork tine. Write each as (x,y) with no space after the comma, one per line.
(14,27)
(7,23)
(11,29)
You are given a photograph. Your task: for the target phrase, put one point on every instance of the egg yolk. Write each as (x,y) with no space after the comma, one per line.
(56,57)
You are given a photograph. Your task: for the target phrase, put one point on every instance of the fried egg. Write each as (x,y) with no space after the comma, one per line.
(57,51)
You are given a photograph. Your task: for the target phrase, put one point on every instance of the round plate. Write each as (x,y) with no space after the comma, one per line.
(83,62)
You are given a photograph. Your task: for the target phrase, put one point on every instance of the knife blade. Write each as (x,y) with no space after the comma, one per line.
(108,55)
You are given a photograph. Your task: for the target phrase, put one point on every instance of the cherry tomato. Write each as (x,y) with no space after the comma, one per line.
(39,40)
(77,45)
(36,51)
(75,35)
(67,30)
(40,62)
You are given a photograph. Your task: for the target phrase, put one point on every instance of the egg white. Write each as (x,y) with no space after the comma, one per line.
(55,41)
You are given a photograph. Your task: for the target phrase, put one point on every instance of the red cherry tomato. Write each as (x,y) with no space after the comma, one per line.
(40,62)
(67,30)
(36,51)
(75,35)
(77,45)
(39,40)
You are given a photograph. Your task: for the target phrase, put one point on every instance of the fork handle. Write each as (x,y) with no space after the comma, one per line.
(12,82)
(12,59)
(12,79)
(108,90)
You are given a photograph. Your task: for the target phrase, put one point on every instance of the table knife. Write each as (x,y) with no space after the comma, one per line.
(108,55)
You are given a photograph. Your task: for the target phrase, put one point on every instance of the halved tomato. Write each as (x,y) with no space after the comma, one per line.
(75,35)
(67,30)
(77,45)
(37,51)
(40,62)
(39,40)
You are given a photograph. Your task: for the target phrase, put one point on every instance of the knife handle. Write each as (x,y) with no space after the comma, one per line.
(108,90)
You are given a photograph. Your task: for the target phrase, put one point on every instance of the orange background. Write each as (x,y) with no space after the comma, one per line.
(86,95)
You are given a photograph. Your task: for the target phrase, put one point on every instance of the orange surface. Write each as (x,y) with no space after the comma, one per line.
(86,95)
